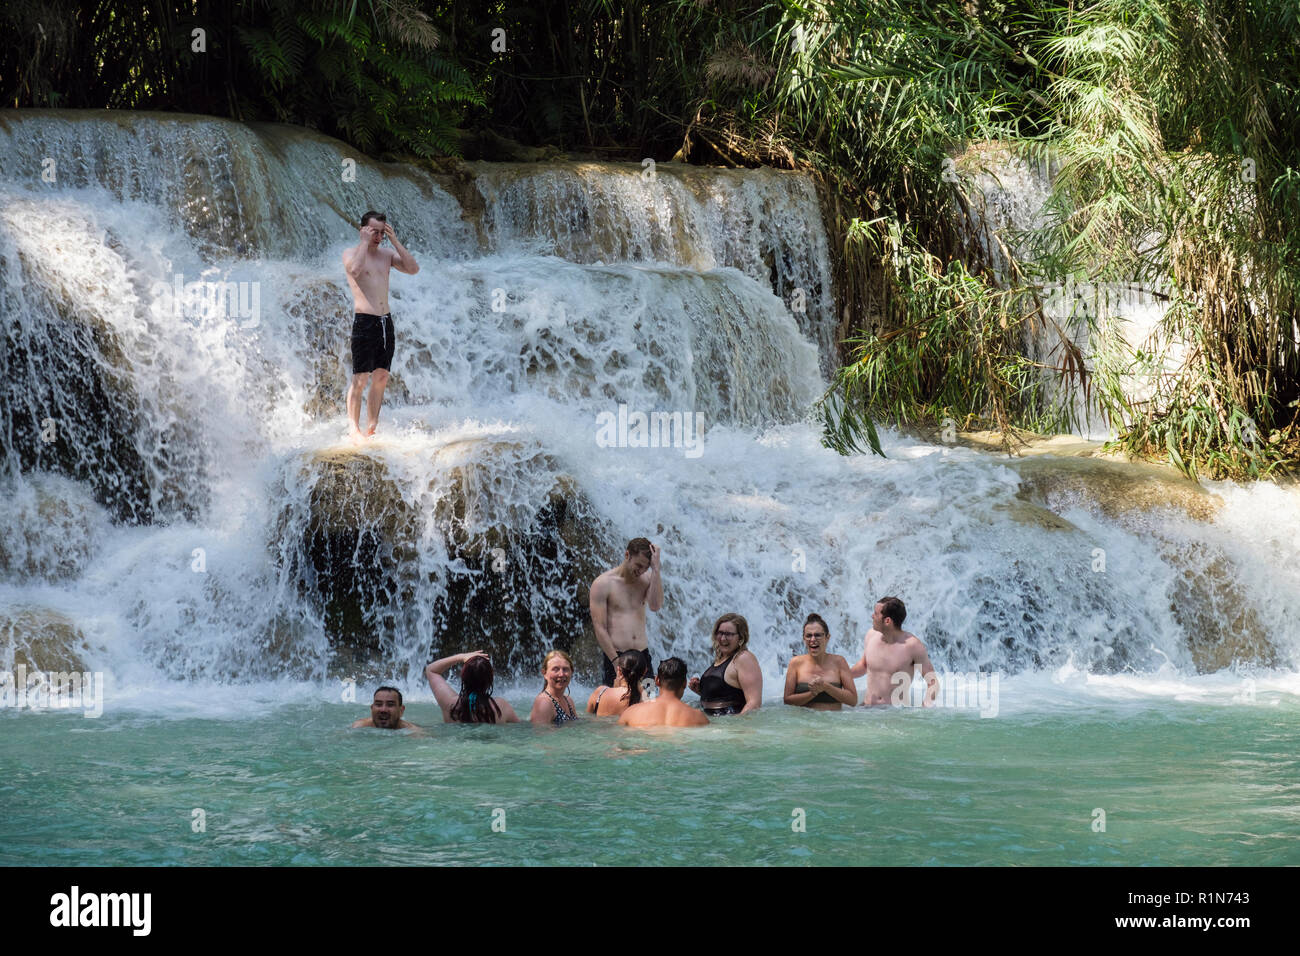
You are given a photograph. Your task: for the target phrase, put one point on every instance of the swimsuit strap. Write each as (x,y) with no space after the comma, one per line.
(560,713)
(600,695)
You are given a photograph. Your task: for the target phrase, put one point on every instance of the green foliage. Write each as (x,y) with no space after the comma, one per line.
(369,71)
(1148,111)
(375,81)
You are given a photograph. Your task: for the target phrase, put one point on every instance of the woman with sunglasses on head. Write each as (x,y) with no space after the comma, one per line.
(474,704)
(734,684)
(819,680)
(554,705)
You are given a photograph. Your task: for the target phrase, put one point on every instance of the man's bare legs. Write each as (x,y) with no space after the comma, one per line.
(378,382)
(354,406)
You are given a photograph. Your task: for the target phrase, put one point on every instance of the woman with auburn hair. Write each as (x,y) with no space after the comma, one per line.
(474,704)
(553,705)
(734,684)
(819,680)
(610,701)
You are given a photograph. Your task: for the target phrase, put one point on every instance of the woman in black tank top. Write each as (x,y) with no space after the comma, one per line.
(718,697)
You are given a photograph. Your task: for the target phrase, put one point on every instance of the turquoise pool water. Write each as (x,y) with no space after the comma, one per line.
(1184,776)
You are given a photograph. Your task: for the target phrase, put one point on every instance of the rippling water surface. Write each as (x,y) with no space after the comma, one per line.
(1190,773)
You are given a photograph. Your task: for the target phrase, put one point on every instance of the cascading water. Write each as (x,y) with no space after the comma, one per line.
(180,502)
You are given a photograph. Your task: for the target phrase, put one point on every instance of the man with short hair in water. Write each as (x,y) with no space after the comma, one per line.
(386,711)
(618,602)
(367,267)
(666,710)
(890,657)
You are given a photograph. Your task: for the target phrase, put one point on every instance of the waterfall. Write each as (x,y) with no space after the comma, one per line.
(180,501)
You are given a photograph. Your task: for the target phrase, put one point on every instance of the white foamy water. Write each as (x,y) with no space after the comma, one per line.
(181,509)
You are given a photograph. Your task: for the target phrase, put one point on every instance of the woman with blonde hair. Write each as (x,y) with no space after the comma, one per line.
(734,684)
(553,705)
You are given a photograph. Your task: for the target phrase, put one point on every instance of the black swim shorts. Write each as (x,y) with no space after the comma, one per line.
(609,675)
(372,343)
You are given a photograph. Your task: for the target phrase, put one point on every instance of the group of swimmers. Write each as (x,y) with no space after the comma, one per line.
(619,597)
(733,684)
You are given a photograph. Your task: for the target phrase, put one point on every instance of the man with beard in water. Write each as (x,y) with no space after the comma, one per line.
(386,711)
(618,602)
(367,268)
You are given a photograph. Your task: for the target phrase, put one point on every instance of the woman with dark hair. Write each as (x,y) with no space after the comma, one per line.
(610,701)
(734,684)
(474,704)
(819,680)
(554,705)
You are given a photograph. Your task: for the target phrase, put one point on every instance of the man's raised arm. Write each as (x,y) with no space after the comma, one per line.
(403,261)
(352,258)
(655,596)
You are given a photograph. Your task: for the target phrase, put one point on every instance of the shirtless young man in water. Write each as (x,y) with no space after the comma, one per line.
(367,268)
(666,710)
(618,602)
(887,651)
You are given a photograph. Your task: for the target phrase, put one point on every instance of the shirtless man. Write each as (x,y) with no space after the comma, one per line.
(386,711)
(618,603)
(367,268)
(666,710)
(888,651)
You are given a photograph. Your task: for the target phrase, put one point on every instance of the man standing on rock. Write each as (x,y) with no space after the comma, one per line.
(618,603)
(367,268)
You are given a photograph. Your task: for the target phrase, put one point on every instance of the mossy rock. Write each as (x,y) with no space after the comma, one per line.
(40,638)
(492,547)
(1114,489)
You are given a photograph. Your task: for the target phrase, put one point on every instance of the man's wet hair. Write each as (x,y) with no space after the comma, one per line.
(672,674)
(371,214)
(395,691)
(639,546)
(892,608)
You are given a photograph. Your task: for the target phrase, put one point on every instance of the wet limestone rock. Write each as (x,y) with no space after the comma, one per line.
(40,639)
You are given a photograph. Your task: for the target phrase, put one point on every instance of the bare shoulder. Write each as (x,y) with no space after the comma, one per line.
(692,718)
(838,660)
(507,712)
(632,716)
(363,722)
